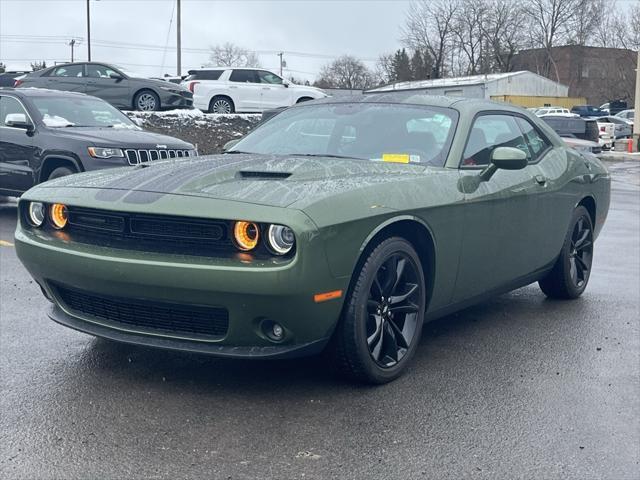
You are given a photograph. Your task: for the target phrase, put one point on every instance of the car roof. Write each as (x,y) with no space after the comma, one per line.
(40,92)
(408,97)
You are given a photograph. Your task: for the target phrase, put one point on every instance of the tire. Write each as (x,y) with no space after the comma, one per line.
(570,274)
(60,172)
(377,336)
(221,105)
(146,101)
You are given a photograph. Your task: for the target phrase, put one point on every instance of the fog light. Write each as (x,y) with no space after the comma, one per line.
(277,331)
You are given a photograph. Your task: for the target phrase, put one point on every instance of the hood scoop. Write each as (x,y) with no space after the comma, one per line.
(257,175)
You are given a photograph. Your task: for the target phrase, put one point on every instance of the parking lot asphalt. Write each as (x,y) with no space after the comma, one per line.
(516,387)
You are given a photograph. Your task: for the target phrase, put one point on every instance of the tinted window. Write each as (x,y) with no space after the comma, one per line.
(268,77)
(536,142)
(95,70)
(9,105)
(365,131)
(243,76)
(80,111)
(490,132)
(67,71)
(204,75)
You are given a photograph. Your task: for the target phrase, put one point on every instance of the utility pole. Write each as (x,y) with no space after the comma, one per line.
(636,121)
(280,55)
(179,43)
(72,44)
(88,32)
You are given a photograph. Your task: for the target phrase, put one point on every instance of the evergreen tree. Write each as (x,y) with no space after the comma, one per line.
(417,66)
(402,66)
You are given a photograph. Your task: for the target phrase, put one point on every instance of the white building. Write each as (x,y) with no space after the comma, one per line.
(496,86)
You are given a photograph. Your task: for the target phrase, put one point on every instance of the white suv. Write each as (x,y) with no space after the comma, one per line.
(229,90)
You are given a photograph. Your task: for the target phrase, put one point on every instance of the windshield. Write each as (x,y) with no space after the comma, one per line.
(367,131)
(58,112)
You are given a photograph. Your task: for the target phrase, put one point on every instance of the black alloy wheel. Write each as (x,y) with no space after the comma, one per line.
(392,307)
(570,274)
(383,314)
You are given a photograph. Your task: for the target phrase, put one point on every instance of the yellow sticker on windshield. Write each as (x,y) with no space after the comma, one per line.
(395,157)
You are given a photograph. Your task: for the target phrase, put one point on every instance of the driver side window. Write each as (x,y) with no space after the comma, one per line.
(488,133)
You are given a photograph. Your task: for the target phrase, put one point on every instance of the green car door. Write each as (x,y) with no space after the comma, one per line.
(503,214)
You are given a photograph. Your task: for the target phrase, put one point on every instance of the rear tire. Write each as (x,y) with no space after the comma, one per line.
(60,172)
(221,105)
(571,272)
(382,318)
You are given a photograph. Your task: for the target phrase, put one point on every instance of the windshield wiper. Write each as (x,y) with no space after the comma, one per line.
(328,155)
(236,151)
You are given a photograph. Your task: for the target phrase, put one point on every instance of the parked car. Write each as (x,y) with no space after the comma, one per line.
(606,134)
(8,79)
(583,146)
(337,223)
(46,134)
(623,128)
(588,111)
(112,84)
(583,128)
(229,90)
(605,107)
(556,111)
(627,115)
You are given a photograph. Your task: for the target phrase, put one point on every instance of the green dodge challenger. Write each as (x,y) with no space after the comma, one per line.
(337,224)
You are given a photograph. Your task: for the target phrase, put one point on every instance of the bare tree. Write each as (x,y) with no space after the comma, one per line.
(503,30)
(618,29)
(468,34)
(230,55)
(384,71)
(345,72)
(588,16)
(429,27)
(549,22)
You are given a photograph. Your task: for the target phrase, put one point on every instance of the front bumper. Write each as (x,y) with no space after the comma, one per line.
(252,293)
(173,100)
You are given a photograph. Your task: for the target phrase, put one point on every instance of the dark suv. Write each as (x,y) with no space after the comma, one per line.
(588,111)
(46,134)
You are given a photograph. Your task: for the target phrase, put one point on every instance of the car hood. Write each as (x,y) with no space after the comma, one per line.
(278,181)
(152,82)
(120,137)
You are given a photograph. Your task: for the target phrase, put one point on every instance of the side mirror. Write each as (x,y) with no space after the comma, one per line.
(504,158)
(230,144)
(18,120)
(509,158)
(115,76)
(286,83)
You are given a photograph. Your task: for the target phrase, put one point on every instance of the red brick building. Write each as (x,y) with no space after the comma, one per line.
(599,74)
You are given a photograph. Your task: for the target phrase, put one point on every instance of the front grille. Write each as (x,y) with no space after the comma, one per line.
(150,233)
(146,315)
(137,156)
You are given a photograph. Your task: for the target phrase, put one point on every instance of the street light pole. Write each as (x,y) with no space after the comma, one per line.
(280,55)
(72,44)
(88,32)
(179,42)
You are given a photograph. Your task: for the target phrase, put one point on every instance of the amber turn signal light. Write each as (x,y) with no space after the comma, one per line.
(246,235)
(323,297)
(58,214)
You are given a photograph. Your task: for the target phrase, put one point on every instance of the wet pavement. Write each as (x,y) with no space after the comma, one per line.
(517,387)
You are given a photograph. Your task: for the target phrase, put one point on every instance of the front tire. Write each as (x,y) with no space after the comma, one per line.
(383,315)
(60,172)
(146,101)
(570,274)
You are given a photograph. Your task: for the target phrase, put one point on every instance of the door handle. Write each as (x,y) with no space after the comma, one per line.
(232,86)
(541,180)
(266,88)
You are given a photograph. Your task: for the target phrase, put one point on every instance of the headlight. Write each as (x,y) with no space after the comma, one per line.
(280,239)
(58,215)
(36,213)
(102,152)
(246,235)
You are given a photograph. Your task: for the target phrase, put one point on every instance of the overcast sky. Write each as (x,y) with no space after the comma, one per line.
(40,30)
